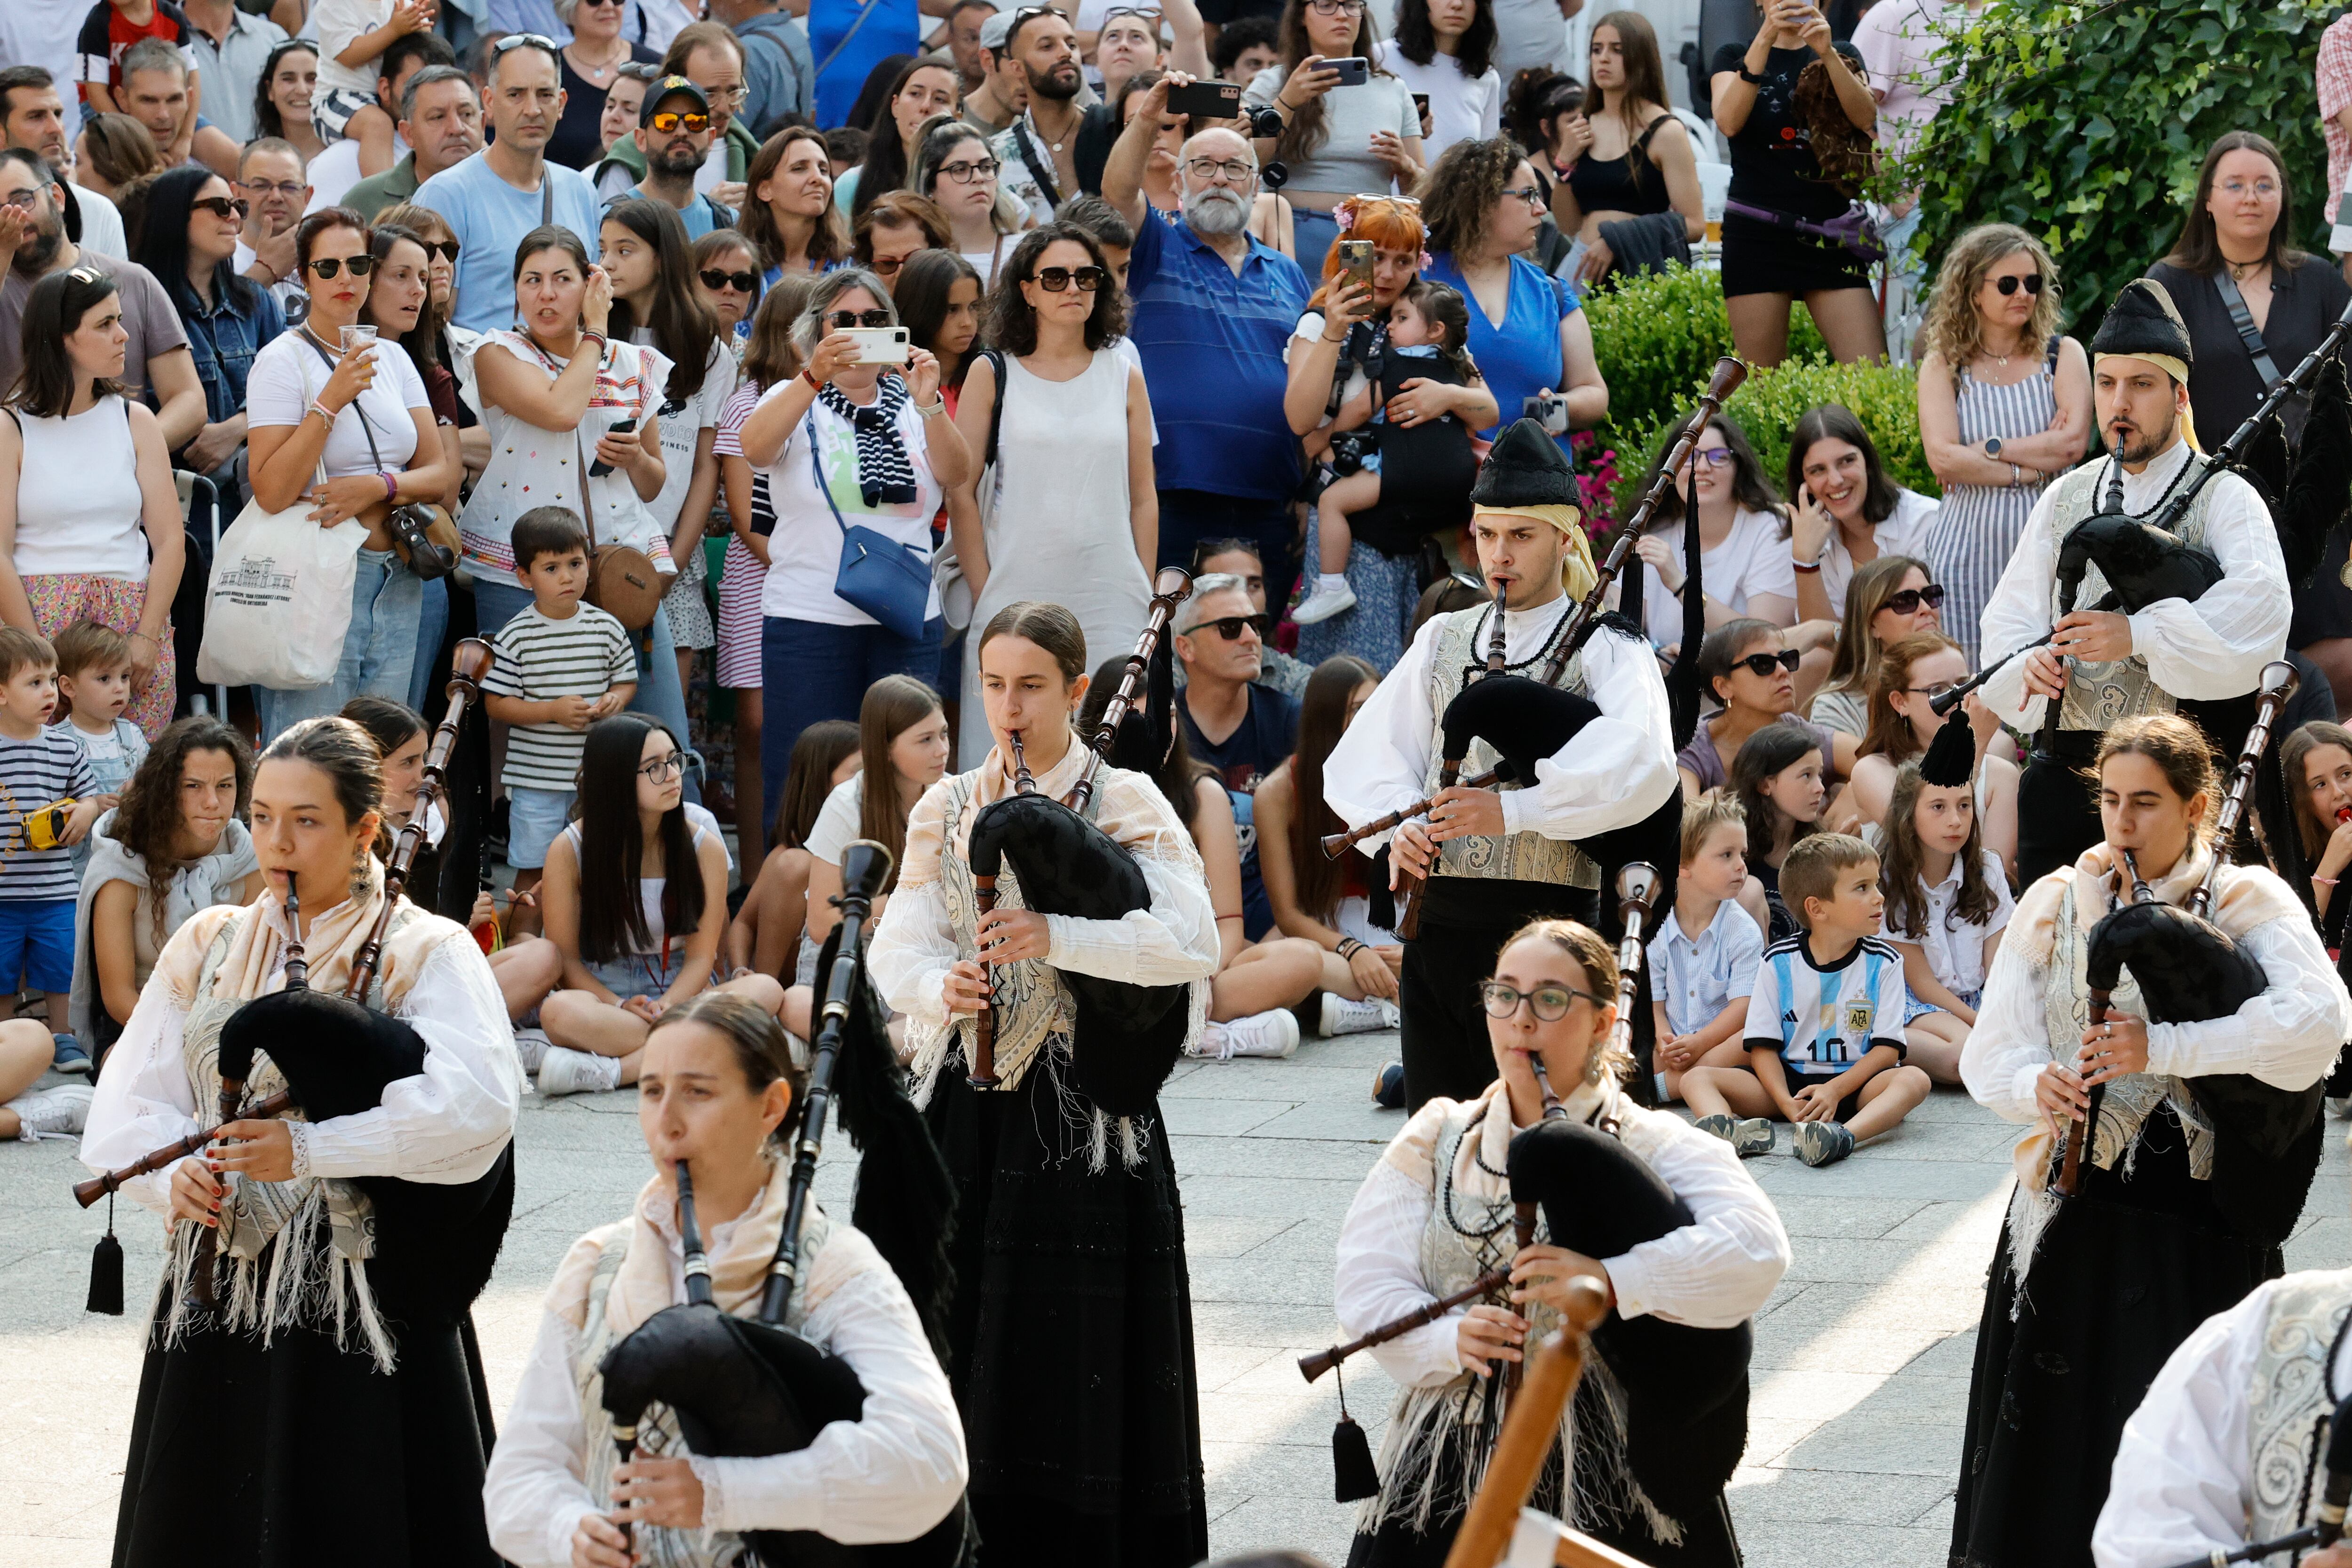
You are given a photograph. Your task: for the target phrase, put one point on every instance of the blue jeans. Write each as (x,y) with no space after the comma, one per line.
(378,650)
(811,671)
(1312,235)
(432,626)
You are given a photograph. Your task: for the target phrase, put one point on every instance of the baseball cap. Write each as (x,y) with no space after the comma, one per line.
(670,87)
(996,30)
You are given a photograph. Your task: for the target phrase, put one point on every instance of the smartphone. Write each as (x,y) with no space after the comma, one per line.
(1354,70)
(1356,261)
(1548,409)
(879,345)
(1206,100)
(597,471)
(1420,105)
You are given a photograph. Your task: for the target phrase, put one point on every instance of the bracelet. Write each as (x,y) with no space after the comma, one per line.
(814,384)
(391,484)
(603,343)
(938,406)
(322,410)
(2016,479)
(1349,946)
(1806,565)
(2322,881)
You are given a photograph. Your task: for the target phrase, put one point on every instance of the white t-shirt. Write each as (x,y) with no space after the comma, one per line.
(1309,329)
(682,426)
(1904,532)
(287,375)
(804,552)
(1752,559)
(336,170)
(836,823)
(339,24)
(1461,108)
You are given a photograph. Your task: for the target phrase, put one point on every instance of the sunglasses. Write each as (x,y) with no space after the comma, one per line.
(513,41)
(848,319)
(1230,626)
(1550,1003)
(887,266)
(2011,283)
(1764,664)
(741,282)
(1057,280)
(1909,601)
(447,249)
(222,206)
(328,266)
(669,120)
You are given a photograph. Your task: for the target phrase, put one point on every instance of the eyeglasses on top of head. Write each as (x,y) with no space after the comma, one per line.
(513,41)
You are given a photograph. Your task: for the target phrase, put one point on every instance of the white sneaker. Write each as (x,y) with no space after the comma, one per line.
(532,1045)
(1331,596)
(1268,1034)
(1341,1016)
(567,1071)
(57,1113)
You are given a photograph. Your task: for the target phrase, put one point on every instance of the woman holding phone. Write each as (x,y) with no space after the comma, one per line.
(1347,125)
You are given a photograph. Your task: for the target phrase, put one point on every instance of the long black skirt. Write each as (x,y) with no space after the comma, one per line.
(2113,1292)
(1070,1334)
(301,1453)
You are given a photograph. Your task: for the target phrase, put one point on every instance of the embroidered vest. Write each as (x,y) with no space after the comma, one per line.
(2289,1405)
(1458,657)
(2098,695)
(1034,1008)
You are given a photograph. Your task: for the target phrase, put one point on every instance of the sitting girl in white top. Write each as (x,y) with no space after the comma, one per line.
(1946,904)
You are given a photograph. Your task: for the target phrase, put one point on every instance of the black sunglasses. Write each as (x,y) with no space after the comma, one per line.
(741,282)
(222,206)
(445,248)
(1910,599)
(328,266)
(846,319)
(1230,626)
(1057,280)
(1764,664)
(2011,283)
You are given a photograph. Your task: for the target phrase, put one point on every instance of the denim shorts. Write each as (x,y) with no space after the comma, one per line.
(37,940)
(534,817)
(643,974)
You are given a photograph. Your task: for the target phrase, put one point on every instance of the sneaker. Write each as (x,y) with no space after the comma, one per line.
(1341,1016)
(532,1044)
(1332,597)
(1752,1136)
(1387,1087)
(70,1055)
(1820,1143)
(567,1071)
(2340,1106)
(57,1113)
(1268,1034)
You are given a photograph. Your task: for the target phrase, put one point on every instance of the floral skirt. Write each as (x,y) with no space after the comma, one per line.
(117,602)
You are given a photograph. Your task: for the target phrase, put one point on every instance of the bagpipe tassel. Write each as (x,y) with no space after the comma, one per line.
(1351,1457)
(106,1269)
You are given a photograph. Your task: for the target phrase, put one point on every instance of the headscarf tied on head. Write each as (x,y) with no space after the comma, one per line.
(1527,475)
(2144,323)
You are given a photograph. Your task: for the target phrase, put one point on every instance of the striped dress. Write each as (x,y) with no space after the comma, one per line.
(740,574)
(1979,525)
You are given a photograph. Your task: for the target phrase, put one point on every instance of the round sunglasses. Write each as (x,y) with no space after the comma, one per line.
(1550,1002)
(741,282)
(1764,664)
(2011,283)
(1057,280)
(328,266)
(1909,601)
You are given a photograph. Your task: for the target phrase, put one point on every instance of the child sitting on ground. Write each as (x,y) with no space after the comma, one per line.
(1824,1031)
(94,675)
(1780,777)
(39,768)
(1431,460)
(1946,904)
(562,666)
(353,37)
(1702,960)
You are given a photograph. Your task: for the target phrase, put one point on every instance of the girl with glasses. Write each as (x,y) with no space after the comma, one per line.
(1638,1200)
(1743,540)
(959,173)
(635,899)
(1069,513)
(1749,667)
(727,272)
(790,217)
(1847,510)
(1911,673)
(1334,140)
(2004,407)
(1891,598)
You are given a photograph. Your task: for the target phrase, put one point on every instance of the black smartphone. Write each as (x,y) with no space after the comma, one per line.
(1354,69)
(1207,100)
(597,471)
(1421,104)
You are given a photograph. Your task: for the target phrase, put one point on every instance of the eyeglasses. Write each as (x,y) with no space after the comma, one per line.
(513,41)
(1145,13)
(1413,202)
(1909,601)
(615,3)
(887,266)
(1335,7)
(663,767)
(1233,169)
(445,248)
(667,120)
(964,171)
(2264,188)
(25,199)
(1057,280)
(291,189)
(1714,456)
(844,319)
(2011,283)
(1550,1002)
(1764,664)
(222,206)
(1532,194)
(328,266)
(1936,691)
(719,95)
(741,282)
(1230,626)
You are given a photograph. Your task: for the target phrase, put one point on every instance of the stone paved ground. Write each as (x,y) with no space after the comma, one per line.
(1862,1357)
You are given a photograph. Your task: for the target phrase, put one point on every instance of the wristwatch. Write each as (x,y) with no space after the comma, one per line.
(1992,447)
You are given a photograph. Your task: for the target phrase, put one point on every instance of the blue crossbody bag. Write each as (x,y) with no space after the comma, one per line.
(888,580)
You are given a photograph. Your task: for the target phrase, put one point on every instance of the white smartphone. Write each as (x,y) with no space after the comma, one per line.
(879,345)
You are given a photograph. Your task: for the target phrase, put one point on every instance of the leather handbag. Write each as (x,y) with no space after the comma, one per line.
(889,581)
(623,580)
(424,534)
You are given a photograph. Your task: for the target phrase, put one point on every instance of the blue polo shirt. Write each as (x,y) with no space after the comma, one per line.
(1212,344)
(848,41)
(490,217)
(1520,357)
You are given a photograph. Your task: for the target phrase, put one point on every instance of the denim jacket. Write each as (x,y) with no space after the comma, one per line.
(224,337)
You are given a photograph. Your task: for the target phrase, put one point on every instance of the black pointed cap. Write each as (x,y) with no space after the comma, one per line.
(2143,321)
(1525,468)
(1951,757)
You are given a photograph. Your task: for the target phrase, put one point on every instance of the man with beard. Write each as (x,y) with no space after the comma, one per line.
(1214,313)
(1037,155)
(674,134)
(1003,92)
(2102,666)
(441,121)
(155,361)
(33,116)
(714,59)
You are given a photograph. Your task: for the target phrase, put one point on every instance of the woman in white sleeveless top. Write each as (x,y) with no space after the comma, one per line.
(1073,454)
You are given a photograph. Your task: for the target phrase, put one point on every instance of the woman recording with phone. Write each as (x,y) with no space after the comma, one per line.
(1348,124)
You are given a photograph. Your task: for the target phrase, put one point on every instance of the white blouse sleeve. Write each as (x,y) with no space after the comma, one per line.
(536,1492)
(1620,767)
(1382,761)
(914,947)
(2010,1045)
(1172,940)
(2288,1036)
(2216,647)
(2017,614)
(144,1099)
(1379,1278)
(1718,1271)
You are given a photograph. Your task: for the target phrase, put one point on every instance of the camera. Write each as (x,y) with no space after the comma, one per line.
(1548,409)
(1264,124)
(1350,447)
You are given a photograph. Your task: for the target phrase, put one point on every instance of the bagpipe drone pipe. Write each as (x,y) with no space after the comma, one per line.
(749,1387)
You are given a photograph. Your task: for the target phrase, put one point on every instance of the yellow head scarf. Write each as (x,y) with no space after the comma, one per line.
(1576,575)
(2178,372)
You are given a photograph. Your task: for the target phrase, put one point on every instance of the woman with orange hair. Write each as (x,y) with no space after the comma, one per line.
(1340,339)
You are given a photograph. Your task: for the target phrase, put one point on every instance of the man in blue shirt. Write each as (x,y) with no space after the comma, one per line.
(1214,311)
(849,39)
(508,188)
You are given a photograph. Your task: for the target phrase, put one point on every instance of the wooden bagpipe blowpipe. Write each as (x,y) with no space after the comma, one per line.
(1449,768)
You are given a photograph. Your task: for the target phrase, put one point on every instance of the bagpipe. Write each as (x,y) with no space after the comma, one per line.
(747,1387)
(1127,1036)
(435,1243)
(2189,971)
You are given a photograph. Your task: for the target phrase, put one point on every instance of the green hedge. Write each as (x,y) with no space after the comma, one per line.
(1657,338)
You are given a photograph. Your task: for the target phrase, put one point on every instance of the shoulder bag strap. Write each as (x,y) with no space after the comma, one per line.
(546,194)
(2248,333)
(817,472)
(1044,177)
(995,358)
(376,454)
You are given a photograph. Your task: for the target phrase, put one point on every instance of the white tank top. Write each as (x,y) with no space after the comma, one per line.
(649,888)
(78,500)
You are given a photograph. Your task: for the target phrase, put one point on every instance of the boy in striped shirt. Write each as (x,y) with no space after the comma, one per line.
(562,666)
(39,768)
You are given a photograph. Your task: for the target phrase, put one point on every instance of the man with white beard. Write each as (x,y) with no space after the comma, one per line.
(1214,314)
